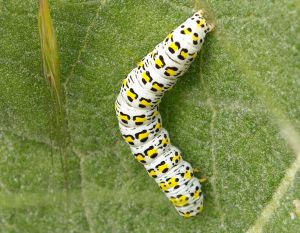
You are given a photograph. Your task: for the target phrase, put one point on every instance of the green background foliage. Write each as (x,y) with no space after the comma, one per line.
(227,115)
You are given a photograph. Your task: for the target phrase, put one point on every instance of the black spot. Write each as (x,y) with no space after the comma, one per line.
(171,50)
(165,170)
(180,57)
(160,164)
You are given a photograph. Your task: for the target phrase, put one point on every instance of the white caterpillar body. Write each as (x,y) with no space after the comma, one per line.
(141,124)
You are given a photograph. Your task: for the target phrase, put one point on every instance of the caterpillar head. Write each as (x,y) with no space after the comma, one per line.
(201,21)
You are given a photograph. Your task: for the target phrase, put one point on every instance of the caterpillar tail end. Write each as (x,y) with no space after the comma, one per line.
(196,170)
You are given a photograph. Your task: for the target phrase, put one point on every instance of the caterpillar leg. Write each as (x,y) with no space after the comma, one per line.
(196,170)
(212,27)
(202,180)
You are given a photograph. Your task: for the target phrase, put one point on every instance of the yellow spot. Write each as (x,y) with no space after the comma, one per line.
(176,157)
(180,201)
(186,31)
(131,95)
(196,194)
(155,113)
(184,54)
(146,77)
(157,126)
(140,158)
(187,175)
(162,167)
(171,183)
(151,152)
(152,173)
(201,23)
(165,141)
(170,72)
(143,135)
(173,46)
(195,38)
(140,119)
(144,103)
(159,63)
(123,117)
(129,139)
(156,87)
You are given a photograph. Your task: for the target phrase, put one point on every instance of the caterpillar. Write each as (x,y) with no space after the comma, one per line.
(141,124)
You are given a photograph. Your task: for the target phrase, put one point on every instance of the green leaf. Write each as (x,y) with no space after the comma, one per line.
(234,115)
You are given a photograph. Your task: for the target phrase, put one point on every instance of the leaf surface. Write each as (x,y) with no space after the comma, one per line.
(229,115)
